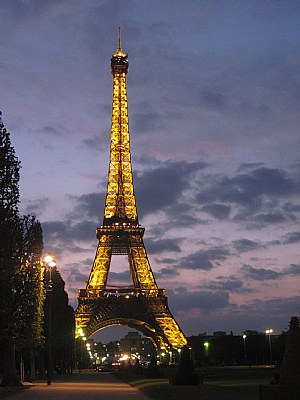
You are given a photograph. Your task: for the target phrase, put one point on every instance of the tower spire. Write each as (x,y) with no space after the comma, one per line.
(119,54)
(119,39)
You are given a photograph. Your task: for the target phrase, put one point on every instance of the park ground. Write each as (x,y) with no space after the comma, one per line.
(224,383)
(218,384)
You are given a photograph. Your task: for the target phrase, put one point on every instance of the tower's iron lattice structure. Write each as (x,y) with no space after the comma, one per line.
(142,306)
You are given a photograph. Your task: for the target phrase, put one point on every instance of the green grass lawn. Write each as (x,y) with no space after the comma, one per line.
(219,384)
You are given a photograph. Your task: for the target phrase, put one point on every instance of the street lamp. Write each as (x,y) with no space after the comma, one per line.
(206,346)
(206,351)
(244,338)
(179,353)
(268,332)
(49,263)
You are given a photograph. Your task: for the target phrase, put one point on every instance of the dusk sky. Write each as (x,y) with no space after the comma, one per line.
(214,114)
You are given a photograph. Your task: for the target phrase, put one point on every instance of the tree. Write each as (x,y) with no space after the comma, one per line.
(28,293)
(9,201)
(290,368)
(62,322)
(9,223)
(153,370)
(28,290)
(21,287)
(185,374)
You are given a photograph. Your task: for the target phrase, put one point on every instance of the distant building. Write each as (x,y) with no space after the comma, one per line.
(134,344)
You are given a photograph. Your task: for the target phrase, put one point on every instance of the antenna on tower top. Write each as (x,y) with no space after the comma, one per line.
(119,39)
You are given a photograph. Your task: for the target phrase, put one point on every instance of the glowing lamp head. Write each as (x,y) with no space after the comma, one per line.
(206,346)
(80,331)
(52,264)
(48,259)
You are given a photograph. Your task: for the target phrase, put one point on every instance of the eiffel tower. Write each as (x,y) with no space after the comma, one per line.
(142,306)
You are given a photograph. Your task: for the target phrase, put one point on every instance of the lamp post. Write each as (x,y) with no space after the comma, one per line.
(268,332)
(83,352)
(206,350)
(80,350)
(245,356)
(49,264)
(179,353)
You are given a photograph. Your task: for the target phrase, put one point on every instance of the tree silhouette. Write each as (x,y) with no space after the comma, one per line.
(21,289)
(62,322)
(28,291)
(153,370)
(9,232)
(185,375)
(290,367)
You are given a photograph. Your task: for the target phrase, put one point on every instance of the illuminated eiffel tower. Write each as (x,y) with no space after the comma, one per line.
(142,306)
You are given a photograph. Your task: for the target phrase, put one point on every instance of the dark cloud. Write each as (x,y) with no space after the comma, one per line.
(90,205)
(166,273)
(270,218)
(159,188)
(231,284)
(274,308)
(83,264)
(292,237)
(243,245)
(161,245)
(213,99)
(265,181)
(199,260)
(182,300)
(248,108)
(219,211)
(259,274)
(76,276)
(34,207)
(262,274)
(248,189)
(180,215)
(167,261)
(95,143)
(54,228)
(123,277)
(84,230)
(204,259)
(52,131)
(147,122)
(290,207)
(293,269)
(254,196)
(65,232)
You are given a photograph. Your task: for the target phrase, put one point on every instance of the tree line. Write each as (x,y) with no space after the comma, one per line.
(23,279)
(231,350)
